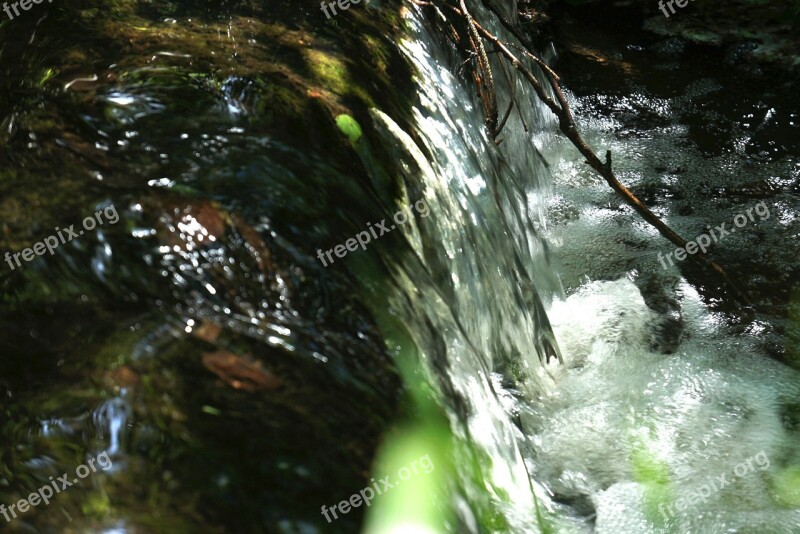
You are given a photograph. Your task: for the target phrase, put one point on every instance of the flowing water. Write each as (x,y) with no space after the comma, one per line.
(659,394)
(586,387)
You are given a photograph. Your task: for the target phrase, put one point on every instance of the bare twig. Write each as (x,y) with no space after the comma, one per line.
(512,100)
(483,74)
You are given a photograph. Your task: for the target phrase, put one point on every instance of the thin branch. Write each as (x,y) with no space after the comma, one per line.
(512,90)
(483,75)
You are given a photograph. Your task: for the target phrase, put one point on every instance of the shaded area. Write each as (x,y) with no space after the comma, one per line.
(233,380)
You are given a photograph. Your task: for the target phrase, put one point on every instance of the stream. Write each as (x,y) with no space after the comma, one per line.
(519,328)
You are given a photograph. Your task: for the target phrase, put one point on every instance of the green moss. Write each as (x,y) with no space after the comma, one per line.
(328,70)
(331,72)
(377,53)
(279,102)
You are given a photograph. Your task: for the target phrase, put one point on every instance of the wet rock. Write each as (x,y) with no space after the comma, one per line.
(672,48)
(739,53)
(212,129)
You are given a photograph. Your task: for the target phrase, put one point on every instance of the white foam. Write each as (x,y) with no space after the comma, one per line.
(699,412)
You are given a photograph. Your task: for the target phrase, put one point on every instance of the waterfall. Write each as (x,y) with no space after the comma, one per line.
(611,436)
(472,293)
